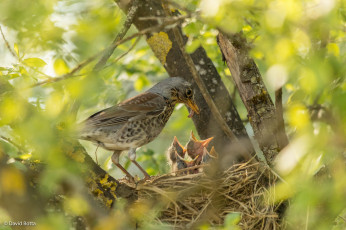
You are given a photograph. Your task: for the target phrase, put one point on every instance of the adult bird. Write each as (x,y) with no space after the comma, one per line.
(138,120)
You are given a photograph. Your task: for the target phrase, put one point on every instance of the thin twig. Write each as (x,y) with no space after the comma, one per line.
(92,58)
(196,14)
(107,53)
(18,58)
(8,44)
(124,54)
(8,140)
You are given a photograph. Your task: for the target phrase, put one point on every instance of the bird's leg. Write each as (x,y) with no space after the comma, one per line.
(115,160)
(132,156)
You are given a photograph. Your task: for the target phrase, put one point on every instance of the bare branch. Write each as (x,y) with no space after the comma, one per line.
(18,58)
(8,140)
(253,92)
(8,44)
(92,58)
(201,85)
(124,54)
(107,53)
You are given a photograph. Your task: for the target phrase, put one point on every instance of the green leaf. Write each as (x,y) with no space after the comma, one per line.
(35,62)
(60,67)
(193,28)
(232,219)
(149,152)
(192,46)
(141,82)
(14,75)
(16,49)
(22,70)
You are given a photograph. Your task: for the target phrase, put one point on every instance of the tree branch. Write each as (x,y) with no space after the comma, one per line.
(215,111)
(175,65)
(124,54)
(261,110)
(92,58)
(8,140)
(107,53)
(281,132)
(8,44)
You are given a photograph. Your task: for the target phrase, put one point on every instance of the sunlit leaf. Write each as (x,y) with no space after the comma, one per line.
(232,219)
(12,181)
(333,49)
(16,49)
(193,28)
(298,116)
(192,46)
(35,62)
(60,67)
(76,205)
(141,82)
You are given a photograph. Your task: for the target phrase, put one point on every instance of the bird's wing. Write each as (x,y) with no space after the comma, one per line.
(145,104)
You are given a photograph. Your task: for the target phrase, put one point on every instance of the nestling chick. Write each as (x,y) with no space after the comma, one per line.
(196,148)
(175,149)
(207,156)
(183,164)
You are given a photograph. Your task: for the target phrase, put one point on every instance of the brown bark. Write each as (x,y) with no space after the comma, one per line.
(254,94)
(282,137)
(176,65)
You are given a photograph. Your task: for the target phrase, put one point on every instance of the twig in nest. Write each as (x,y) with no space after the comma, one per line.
(241,189)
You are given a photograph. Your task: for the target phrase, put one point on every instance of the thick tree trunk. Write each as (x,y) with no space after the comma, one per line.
(254,94)
(175,65)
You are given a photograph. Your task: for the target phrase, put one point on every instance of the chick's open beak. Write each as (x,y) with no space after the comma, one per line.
(194,108)
(206,141)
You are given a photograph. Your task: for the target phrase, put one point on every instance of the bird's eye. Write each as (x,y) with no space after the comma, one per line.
(188,92)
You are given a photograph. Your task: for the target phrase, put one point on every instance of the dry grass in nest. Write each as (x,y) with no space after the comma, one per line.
(189,201)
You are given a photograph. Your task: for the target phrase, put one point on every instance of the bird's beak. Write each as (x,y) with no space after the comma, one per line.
(194,108)
(175,140)
(206,141)
(192,136)
(213,153)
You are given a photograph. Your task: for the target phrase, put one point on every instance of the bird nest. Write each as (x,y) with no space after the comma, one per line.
(208,198)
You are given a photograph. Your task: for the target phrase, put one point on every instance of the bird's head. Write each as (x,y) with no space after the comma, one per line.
(178,91)
(178,147)
(195,147)
(184,94)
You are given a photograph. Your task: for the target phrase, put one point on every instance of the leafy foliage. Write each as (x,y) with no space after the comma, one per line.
(298,45)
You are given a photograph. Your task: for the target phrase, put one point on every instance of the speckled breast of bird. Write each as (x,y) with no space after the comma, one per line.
(136,133)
